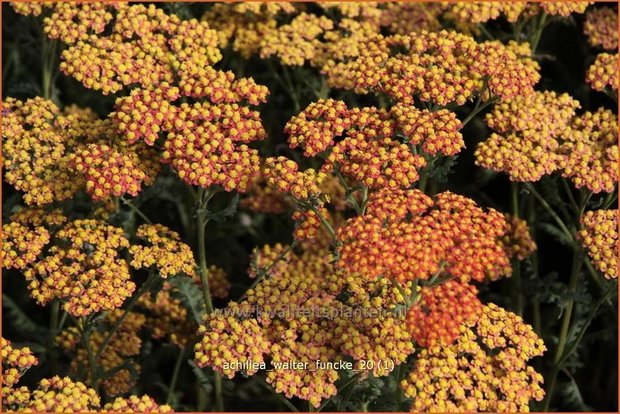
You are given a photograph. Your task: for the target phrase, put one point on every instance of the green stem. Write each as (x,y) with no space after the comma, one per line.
(175,376)
(325,224)
(539,29)
(550,210)
(92,360)
(48,58)
(566,320)
(571,197)
(477,109)
(609,200)
(204,197)
(516,274)
(139,212)
(130,305)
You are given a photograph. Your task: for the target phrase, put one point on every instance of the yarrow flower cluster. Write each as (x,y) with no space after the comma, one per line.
(601,27)
(589,153)
(518,241)
(481,12)
(50,155)
(164,251)
(135,404)
(527,138)
(83,267)
(453,232)
(15,361)
(599,235)
(484,370)
(439,67)
(603,72)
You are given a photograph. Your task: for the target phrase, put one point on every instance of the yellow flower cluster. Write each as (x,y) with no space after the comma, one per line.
(601,27)
(83,267)
(564,8)
(61,395)
(125,343)
(589,153)
(599,235)
(33,152)
(15,361)
(164,251)
(135,404)
(39,216)
(481,12)
(296,42)
(518,241)
(484,370)
(225,339)
(284,175)
(21,245)
(440,67)
(527,135)
(410,17)
(49,154)
(603,73)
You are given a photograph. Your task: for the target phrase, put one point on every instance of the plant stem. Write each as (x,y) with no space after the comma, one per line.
(92,359)
(550,210)
(204,197)
(132,302)
(175,376)
(516,274)
(539,29)
(139,212)
(477,109)
(578,257)
(48,58)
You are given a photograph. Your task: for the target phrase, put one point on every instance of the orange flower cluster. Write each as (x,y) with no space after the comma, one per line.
(164,251)
(437,132)
(590,151)
(411,17)
(439,67)
(528,130)
(564,8)
(49,154)
(601,27)
(518,241)
(135,404)
(125,343)
(599,235)
(436,319)
(484,370)
(83,267)
(603,73)
(369,155)
(109,172)
(39,216)
(453,232)
(481,12)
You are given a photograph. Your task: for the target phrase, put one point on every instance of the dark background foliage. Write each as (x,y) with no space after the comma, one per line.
(589,380)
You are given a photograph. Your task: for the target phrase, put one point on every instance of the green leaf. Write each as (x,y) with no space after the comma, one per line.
(203,379)
(186,290)
(229,211)
(20,321)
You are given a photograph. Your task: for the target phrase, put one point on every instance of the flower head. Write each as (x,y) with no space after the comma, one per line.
(599,235)
(601,27)
(84,268)
(485,369)
(603,73)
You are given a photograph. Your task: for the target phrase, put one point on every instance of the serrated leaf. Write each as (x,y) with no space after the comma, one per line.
(20,321)
(203,380)
(556,233)
(229,211)
(186,290)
